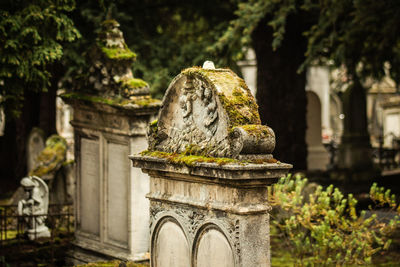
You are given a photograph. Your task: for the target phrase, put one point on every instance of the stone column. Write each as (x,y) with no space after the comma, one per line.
(209,163)
(111,112)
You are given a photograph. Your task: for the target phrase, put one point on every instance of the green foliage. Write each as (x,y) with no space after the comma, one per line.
(322,226)
(32,34)
(178,38)
(363,35)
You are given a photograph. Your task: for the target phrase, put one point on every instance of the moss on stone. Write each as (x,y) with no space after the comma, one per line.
(51,157)
(118,53)
(258,131)
(134,83)
(109,23)
(185,159)
(154,123)
(233,94)
(191,159)
(143,101)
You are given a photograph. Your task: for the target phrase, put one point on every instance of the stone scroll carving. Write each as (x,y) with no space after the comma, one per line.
(210,112)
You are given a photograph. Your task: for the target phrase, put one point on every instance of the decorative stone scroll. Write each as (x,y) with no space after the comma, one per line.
(211,112)
(209,163)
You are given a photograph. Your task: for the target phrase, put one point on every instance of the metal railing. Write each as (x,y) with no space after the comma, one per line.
(59,219)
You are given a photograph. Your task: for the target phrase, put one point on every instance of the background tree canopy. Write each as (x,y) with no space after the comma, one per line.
(40,47)
(32,35)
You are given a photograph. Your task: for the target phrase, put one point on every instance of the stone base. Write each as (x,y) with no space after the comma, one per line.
(84,252)
(79,256)
(209,215)
(318,158)
(39,232)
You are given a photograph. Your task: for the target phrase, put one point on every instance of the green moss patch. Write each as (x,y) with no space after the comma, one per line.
(144,101)
(190,160)
(51,157)
(233,94)
(258,131)
(118,53)
(134,83)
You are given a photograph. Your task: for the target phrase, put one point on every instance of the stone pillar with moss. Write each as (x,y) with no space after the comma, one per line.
(210,163)
(111,112)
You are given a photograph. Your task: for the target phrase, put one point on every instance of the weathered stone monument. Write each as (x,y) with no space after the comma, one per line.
(34,146)
(52,166)
(34,207)
(111,112)
(210,163)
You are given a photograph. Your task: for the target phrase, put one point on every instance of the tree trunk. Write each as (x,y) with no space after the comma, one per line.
(38,111)
(281,90)
(355,151)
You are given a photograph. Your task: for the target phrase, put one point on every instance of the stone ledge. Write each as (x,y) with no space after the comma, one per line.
(265,173)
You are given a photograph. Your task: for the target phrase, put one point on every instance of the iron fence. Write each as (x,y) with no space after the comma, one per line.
(59,219)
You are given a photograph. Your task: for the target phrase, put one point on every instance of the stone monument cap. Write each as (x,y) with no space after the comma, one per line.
(209,115)
(109,80)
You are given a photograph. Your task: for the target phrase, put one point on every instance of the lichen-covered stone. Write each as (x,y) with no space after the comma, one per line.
(214,110)
(109,79)
(52,157)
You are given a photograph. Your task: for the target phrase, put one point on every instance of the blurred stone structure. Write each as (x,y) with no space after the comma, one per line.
(210,163)
(35,204)
(111,112)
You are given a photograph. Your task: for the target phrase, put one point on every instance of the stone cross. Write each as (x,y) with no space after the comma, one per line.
(209,162)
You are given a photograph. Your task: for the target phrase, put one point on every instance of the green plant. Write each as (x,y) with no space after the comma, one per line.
(322,226)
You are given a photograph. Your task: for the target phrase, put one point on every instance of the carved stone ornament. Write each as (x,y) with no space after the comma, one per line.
(211,112)
(34,207)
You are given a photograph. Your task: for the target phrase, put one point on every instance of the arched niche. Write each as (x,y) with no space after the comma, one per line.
(169,244)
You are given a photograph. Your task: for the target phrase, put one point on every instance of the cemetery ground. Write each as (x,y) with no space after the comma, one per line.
(52,252)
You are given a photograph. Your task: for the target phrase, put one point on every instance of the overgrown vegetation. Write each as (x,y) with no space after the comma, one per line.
(32,35)
(323,227)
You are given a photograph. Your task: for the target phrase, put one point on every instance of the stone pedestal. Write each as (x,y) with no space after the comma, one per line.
(110,205)
(209,215)
(210,163)
(111,112)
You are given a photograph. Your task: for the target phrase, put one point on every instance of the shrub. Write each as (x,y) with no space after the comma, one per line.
(322,226)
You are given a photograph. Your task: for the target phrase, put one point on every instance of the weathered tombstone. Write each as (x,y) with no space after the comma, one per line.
(34,146)
(210,163)
(111,112)
(34,207)
(52,167)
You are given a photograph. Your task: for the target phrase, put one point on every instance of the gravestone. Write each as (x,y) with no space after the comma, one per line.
(210,163)
(111,111)
(52,166)
(35,145)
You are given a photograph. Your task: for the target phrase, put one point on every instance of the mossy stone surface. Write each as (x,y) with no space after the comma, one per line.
(233,93)
(118,53)
(144,101)
(52,156)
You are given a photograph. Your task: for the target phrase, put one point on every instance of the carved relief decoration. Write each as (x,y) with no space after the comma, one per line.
(210,112)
